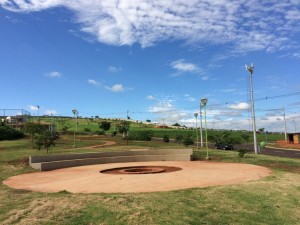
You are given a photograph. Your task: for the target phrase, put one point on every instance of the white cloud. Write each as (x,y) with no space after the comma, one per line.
(54,74)
(245,25)
(50,112)
(114,69)
(33,107)
(150,97)
(182,66)
(161,107)
(116,88)
(240,106)
(94,82)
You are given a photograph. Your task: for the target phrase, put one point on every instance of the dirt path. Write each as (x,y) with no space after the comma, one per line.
(88,179)
(107,143)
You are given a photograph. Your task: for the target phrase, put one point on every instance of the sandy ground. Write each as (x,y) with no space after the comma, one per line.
(88,179)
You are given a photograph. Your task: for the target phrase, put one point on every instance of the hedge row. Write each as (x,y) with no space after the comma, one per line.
(9,133)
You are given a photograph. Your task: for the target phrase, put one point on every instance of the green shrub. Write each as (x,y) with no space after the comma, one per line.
(9,133)
(188,140)
(166,139)
(242,152)
(114,133)
(141,135)
(87,130)
(100,132)
(178,138)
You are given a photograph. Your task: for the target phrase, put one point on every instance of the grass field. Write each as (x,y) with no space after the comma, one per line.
(271,200)
(93,126)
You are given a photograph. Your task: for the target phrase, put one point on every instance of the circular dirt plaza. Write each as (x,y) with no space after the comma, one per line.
(94,179)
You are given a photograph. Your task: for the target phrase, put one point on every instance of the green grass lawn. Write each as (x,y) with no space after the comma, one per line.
(271,200)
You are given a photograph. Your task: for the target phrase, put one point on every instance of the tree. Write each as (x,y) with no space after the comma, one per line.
(104,125)
(123,127)
(225,138)
(34,128)
(261,130)
(63,125)
(45,139)
(176,125)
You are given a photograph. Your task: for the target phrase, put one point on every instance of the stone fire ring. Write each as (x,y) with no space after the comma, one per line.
(89,179)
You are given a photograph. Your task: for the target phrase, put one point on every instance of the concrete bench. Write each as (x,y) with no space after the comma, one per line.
(53,162)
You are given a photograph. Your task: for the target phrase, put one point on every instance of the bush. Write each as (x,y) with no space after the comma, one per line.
(141,135)
(178,138)
(88,130)
(188,140)
(166,139)
(100,132)
(242,152)
(9,133)
(114,133)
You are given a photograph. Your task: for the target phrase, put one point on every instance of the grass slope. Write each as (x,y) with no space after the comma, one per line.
(272,200)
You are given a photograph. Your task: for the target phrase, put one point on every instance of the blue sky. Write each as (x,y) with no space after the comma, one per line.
(155,58)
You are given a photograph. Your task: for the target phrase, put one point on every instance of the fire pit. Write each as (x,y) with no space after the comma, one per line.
(141,170)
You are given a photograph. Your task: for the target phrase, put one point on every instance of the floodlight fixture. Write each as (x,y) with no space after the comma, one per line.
(204,101)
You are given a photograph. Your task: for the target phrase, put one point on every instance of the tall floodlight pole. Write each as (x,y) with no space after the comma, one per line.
(204,101)
(38,107)
(196,115)
(77,120)
(250,69)
(284,121)
(75,112)
(201,136)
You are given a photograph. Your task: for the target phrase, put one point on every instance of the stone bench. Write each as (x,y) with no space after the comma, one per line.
(52,162)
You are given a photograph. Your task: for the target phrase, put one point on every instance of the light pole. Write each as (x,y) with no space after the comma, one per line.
(75,112)
(250,69)
(38,107)
(201,138)
(204,102)
(284,120)
(196,115)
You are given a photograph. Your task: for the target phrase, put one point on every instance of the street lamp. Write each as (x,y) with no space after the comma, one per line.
(196,115)
(75,112)
(201,138)
(204,102)
(250,69)
(38,107)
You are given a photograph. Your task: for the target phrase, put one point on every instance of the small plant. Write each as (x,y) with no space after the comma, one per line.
(188,140)
(166,139)
(100,132)
(242,152)
(45,139)
(178,138)
(114,133)
(88,130)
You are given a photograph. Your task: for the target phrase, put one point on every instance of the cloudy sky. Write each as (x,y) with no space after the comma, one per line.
(155,59)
